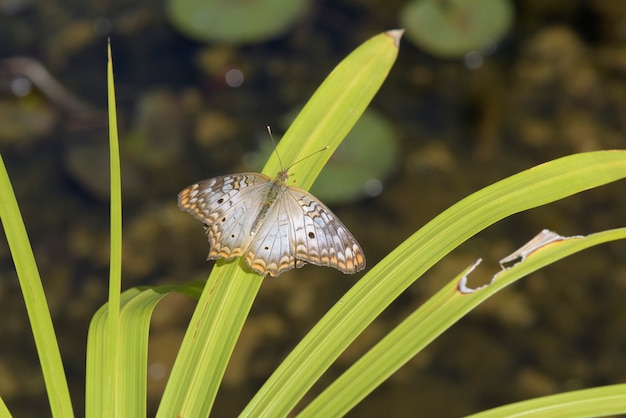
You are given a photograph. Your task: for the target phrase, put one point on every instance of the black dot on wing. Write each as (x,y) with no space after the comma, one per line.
(266,248)
(220,200)
(232,236)
(224,219)
(311,235)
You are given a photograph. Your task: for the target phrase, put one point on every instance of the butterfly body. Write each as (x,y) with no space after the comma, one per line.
(275,189)
(274,226)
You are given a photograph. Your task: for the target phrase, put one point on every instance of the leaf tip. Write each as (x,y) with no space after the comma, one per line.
(395,34)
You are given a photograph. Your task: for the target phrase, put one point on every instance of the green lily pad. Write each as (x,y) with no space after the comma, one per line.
(235,21)
(452,28)
(360,164)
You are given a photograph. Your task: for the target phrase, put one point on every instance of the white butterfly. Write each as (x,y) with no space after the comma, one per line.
(276,227)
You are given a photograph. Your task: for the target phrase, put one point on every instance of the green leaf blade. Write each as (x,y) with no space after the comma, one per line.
(432,319)
(335,107)
(594,402)
(34,299)
(136,307)
(231,288)
(209,341)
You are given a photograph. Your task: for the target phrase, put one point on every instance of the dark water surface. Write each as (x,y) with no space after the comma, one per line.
(555,86)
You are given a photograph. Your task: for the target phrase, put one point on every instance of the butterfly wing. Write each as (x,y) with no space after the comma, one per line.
(320,237)
(272,250)
(299,230)
(225,204)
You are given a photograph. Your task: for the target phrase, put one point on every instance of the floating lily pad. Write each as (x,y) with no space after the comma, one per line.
(155,138)
(235,21)
(360,164)
(452,28)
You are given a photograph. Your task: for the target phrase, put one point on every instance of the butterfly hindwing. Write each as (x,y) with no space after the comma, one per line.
(271,250)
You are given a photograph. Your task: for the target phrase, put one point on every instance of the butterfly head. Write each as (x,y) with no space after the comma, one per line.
(283,175)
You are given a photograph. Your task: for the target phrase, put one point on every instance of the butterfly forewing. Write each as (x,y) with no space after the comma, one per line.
(224,205)
(320,237)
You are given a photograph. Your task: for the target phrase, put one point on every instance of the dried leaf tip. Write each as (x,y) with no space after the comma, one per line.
(541,240)
(395,34)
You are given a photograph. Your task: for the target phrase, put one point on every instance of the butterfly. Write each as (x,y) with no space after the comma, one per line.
(274,226)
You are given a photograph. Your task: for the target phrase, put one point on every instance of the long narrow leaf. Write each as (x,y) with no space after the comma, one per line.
(335,107)
(4,411)
(35,300)
(596,402)
(230,290)
(210,338)
(111,407)
(429,321)
(136,306)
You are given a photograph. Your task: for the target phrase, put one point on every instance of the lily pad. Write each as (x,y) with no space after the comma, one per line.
(359,166)
(452,28)
(235,21)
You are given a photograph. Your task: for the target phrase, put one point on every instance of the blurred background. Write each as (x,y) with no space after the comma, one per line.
(481,90)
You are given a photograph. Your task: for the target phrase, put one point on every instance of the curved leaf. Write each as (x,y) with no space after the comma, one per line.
(434,317)
(231,288)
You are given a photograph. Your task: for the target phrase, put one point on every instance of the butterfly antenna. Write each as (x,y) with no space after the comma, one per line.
(269,131)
